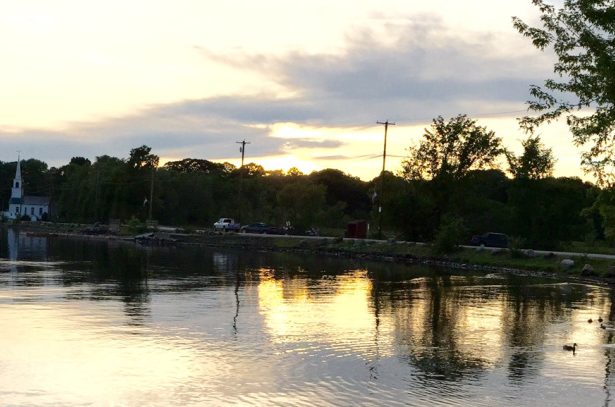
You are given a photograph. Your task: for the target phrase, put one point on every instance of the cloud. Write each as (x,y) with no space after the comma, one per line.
(202,129)
(340,157)
(307,143)
(414,71)
(421,70)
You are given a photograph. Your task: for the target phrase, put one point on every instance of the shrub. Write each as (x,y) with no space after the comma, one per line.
(134,226)
(449,235)
(515,244)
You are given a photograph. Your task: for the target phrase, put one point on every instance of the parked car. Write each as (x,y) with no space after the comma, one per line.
(226,225)
(490,239)
(262,228)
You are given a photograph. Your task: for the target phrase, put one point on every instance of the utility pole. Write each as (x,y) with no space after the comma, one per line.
(242,149)
(384,158)
(151,194)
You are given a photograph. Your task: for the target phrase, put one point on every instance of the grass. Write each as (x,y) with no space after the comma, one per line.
(500,258)
(506,259)
(584,247)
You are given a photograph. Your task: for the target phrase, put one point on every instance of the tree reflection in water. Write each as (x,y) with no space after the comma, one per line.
(427,326)
(457,328)
(528,312)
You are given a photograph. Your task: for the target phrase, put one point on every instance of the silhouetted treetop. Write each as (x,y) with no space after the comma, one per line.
(141,157)
(190,165)
(451,148)
(535,162)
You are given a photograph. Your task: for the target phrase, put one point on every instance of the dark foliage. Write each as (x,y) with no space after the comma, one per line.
(542,212)
(582,35)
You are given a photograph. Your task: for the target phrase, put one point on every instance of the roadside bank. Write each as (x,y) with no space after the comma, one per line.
(579,266)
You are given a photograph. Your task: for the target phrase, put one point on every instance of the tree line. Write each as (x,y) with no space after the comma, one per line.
(452,182)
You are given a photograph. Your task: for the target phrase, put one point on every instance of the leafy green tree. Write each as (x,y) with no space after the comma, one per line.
(192,198)
(34,173)
(109,176)
(228,167)
(608,215)
(7,172)
(535,162)
(449,236)
(141,157)
(342,188)
(74,177)
(601,215)
(196,165)
(484,202)
(274,173)
(301,203)
(80,161)
(450,149)
(87,192)
(142,166)
(582,34)
(547,212)
(408,208)
(252,170)
(445,155)
(294,172)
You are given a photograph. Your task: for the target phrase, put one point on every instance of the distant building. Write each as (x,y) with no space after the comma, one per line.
(36,207)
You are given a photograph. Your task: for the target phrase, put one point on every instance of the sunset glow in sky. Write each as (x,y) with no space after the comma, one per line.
(304,82)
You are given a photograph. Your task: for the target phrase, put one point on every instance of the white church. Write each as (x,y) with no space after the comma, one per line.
(36,207)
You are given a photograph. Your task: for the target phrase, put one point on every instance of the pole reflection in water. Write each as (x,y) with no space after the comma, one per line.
(112,323)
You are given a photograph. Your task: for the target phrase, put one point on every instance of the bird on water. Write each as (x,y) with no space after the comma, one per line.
(572,348)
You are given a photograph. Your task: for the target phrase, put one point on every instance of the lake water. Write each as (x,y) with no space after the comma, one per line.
(112,324)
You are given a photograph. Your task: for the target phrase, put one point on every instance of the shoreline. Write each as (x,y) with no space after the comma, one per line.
(597,270)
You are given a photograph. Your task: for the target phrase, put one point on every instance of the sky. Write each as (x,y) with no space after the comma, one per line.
(303,82)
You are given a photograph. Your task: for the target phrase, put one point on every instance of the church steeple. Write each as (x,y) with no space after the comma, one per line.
(17,190)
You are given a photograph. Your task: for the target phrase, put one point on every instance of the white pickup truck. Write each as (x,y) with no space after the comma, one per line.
(226,225)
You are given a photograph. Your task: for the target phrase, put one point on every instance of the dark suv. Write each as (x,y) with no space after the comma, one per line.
(490,240)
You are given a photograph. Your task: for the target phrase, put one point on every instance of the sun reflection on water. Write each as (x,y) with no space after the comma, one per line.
(291,309)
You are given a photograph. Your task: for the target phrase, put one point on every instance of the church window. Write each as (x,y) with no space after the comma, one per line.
(32,210)
(40,210)
(16,184)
